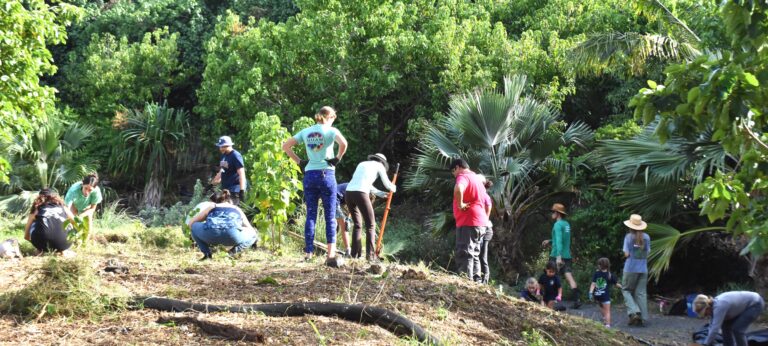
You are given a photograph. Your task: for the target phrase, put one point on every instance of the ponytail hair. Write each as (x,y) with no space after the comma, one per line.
(324,114)
(701,303)
(46,196)
(222,196)
(638,236)
(91,179)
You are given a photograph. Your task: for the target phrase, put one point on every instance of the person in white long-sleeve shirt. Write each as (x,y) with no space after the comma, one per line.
(732,312)
(359,202)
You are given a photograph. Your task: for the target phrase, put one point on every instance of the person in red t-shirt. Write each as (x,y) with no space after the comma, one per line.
(470,215)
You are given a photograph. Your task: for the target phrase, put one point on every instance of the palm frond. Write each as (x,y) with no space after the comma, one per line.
(655,9)
(606,50)
(664,240)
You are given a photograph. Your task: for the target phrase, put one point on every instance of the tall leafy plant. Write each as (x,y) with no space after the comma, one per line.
(273,177)
(514,141)
(150,141)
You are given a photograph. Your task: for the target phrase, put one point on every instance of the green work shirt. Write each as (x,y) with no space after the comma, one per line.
(75,196)
(561,239)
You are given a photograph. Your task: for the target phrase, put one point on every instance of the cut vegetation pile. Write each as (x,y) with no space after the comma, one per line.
(62,287)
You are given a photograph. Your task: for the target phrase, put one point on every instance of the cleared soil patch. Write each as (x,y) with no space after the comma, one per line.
(450,308)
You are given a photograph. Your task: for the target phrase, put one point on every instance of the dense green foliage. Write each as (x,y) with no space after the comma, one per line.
(723,94)
(150,141)
(26,28)
(401,75)
(515,141)
(273,176)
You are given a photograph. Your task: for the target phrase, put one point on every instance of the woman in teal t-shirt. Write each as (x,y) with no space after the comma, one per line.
(319,175)
(83,197)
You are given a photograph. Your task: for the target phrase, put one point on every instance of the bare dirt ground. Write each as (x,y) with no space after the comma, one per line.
(450,308)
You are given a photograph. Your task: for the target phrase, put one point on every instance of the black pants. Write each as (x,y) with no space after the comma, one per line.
(47,239)
(361,210)
(483,273)
(468,249)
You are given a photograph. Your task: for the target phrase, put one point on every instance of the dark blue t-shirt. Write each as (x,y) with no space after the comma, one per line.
(603,282)
(528,296)
(230,163)
(341,189)
(549,286)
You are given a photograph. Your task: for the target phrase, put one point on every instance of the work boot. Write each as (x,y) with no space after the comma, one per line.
(576,298)
(635,319)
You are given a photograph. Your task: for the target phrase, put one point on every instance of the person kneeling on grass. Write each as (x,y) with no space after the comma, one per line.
(550,284)
(600,290)
(84,197)
(45,225)
(220,224)
(531,292)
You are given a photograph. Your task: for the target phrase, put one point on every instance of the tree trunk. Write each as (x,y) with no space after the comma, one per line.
(153,191)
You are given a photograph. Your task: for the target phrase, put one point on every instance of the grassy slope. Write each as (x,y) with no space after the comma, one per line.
(451,308)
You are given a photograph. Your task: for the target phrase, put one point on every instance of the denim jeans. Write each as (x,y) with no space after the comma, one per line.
(734,330)
(319,184)
(633,287)
(206,237)
(483,273)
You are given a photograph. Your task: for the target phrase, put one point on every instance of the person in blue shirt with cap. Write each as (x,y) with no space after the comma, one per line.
(231,170)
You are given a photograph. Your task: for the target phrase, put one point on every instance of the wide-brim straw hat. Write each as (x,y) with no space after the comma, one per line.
(636,222)
(381,158)
(559,208)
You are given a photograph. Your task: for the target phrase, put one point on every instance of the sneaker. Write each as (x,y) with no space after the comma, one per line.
(348,253)
(635,319)
(206,257)
(607,325)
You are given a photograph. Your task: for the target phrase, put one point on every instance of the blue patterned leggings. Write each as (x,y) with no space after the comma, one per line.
(319,184)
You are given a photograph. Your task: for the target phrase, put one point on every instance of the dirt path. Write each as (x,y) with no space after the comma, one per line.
(660,329)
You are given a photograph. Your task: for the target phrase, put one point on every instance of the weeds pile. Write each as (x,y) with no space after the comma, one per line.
(63,287)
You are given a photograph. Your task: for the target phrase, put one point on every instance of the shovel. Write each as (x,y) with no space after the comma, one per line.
(386,213)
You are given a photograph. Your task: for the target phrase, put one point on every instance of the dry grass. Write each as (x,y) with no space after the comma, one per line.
(453,309)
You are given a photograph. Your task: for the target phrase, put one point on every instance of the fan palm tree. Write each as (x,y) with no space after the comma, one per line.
(150,140)
(509,138)
(655,179)
(50,157)
(675,41)
(650,176)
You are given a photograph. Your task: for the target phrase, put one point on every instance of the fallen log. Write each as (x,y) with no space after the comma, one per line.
(226,331)
(387,319)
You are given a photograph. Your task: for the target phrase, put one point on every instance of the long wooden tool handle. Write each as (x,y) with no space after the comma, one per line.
(386,213)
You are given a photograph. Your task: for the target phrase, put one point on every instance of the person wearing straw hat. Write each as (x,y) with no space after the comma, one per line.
(359,203)
(561,250)
(231,173)
(732,312)
(637,246)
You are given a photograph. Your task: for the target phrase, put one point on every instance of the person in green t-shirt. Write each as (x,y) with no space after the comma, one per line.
(561,250)
(84,196)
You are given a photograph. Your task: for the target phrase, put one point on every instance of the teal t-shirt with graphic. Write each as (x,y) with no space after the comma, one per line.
(75,196)
(318,139)
(561,239)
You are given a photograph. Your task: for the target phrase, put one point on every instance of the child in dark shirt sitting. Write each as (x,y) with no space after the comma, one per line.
(600,290)
(531,292)
(550,285)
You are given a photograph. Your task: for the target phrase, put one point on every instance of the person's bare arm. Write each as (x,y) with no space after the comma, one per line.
(288,149)
(216,178)
(241,175)
(342,142)
(458,195)
(201,215)
(30,219)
